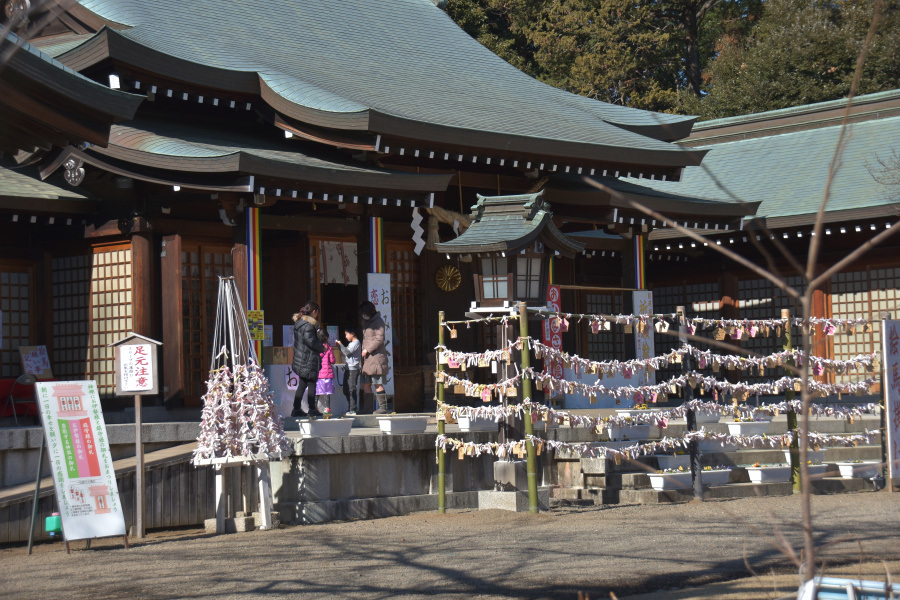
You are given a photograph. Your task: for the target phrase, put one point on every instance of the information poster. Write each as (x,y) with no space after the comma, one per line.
(379,294)
(287,335)
(256,323)
(78,452)
(267,341)
(891,386)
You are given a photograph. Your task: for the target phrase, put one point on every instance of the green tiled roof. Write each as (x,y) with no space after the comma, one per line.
(508,224)
(193,148)
(389,61)
(22,191)
(787,173)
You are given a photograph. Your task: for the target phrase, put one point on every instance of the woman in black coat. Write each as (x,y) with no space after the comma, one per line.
(307,362)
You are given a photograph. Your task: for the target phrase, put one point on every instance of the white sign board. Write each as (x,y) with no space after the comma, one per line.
(890,340)
(379,294)
(287,335)
(136,368)
(80,459)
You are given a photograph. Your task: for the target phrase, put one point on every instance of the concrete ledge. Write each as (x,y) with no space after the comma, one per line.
(515,501)
(298,513)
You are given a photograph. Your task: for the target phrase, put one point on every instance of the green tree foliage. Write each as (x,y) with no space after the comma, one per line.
(715,58)
(641,53)
(800,53)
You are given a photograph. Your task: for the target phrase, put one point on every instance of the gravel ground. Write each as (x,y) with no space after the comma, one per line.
(471,554)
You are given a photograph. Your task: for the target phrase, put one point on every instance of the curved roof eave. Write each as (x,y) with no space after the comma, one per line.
(662,154)
(195,151)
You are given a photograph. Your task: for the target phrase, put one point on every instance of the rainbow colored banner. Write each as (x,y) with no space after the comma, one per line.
(639,262)
(376,237)
(254,270)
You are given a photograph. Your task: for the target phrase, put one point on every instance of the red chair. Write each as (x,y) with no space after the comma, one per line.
(18,397)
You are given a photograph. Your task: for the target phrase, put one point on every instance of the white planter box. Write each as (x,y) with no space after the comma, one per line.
(705,418)
(629,432)
(477,424)
(671,481)
(748,428)
(717,477)
(709,446)
(670,461)
(817,456)
(403,424)
(817,470)
(634,412)
(324,427)
(864,469)
(769,474)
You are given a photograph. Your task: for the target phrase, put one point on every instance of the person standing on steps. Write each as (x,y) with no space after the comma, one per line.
(325,384)
(374,355)
(352,352)
(307,362)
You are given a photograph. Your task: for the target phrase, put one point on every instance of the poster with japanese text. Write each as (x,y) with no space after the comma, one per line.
(891,389)
(79,456)
(287,335)
(379,294)
(267,341)
(255,320)
(36,361)
(643,339)
(136,368)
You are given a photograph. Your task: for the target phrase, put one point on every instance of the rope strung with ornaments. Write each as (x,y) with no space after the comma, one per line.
(735,328)
(660,418)
(651,393)
(705,359)
(661,322)
(665,445)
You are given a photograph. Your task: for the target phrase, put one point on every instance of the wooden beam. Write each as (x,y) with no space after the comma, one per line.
(318,225)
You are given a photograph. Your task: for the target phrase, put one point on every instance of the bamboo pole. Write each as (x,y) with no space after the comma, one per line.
(441,455)
(690,414)
(789,396)
(529,426)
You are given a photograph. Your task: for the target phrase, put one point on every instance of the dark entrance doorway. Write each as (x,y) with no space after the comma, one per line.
(340,306)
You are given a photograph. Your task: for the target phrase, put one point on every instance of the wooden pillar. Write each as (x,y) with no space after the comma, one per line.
(822,345)
(142,283)
(172,325)
(239,262)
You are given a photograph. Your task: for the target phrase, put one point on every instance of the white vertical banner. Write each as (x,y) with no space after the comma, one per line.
(890,340)
(379,294)
(79,456)
(643,340)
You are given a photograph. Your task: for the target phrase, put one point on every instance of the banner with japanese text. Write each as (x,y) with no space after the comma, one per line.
(642,300)
(890,331)
(552,333)
(379,294)
(79,456)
